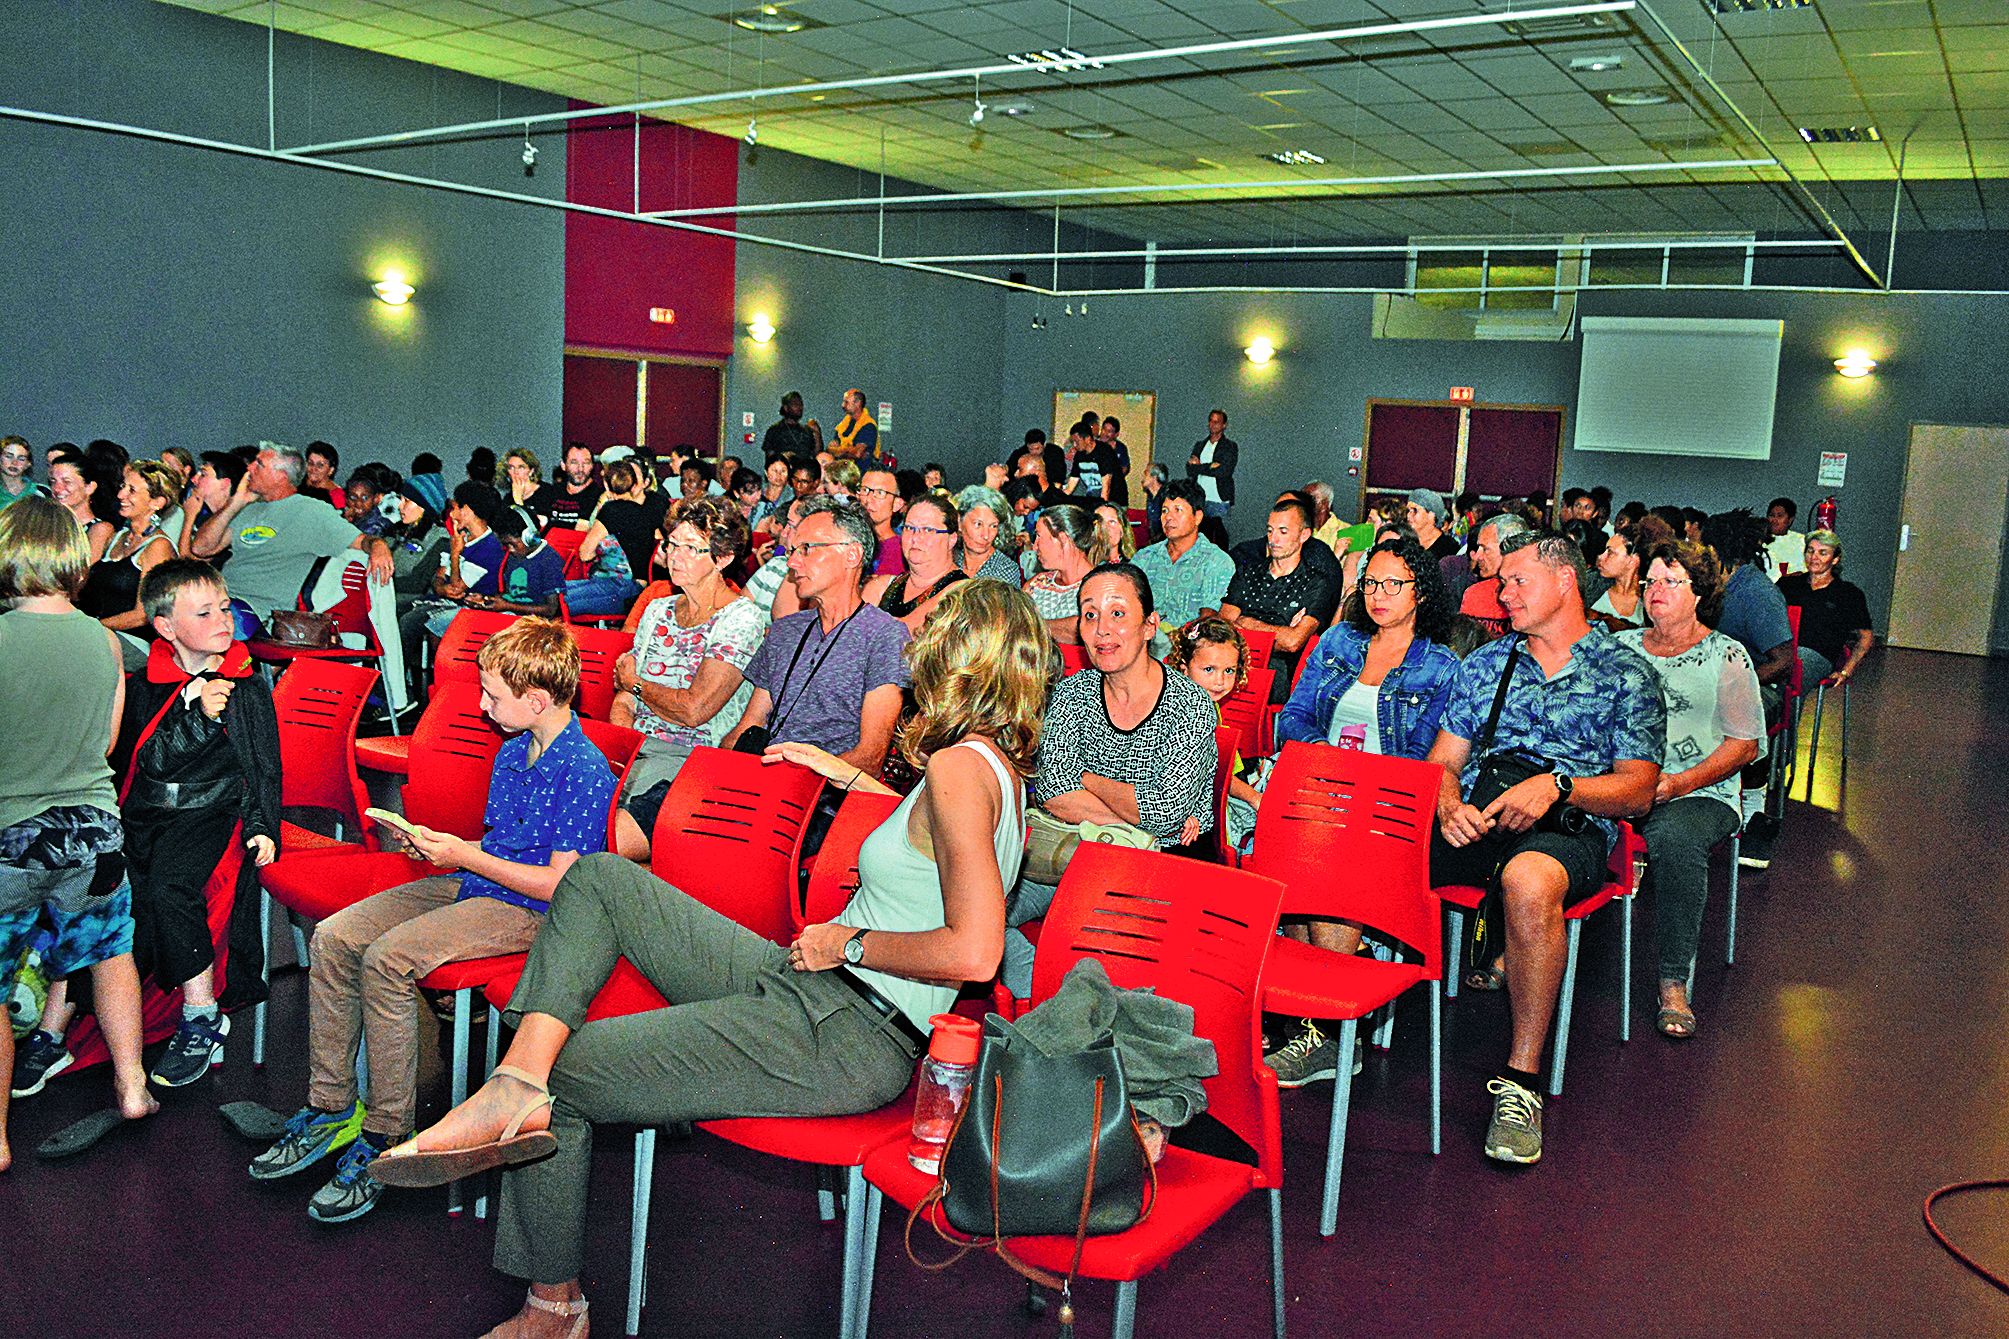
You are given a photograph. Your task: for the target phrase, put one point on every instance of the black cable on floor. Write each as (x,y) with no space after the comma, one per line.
(1963,1257)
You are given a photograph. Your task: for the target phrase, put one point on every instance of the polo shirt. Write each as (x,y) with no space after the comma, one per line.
(1181,587)
(818,685)
(558,803)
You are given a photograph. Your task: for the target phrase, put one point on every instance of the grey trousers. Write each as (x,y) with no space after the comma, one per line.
(1679,836)
(744,1036)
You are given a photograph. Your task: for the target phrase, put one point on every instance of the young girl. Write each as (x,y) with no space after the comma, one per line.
(1211,652)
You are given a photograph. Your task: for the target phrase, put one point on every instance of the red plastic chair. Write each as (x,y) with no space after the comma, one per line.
(1246,712)
(599,648)
(566,541)
(1260,643)
(1348,835)
(1627,858)
(454,661)
(1073,660)
(833,878)
(730,833)
(1192,933)
(352,616)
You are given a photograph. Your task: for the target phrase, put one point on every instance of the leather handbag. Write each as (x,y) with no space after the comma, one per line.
(303,630)
(1050,843)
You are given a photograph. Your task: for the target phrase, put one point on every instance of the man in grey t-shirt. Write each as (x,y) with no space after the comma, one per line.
(275,533)
(833,674)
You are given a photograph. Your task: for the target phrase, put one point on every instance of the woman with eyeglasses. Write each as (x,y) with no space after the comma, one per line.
(1715,728)
(928,543)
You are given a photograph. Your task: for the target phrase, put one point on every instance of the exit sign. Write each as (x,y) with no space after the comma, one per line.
(1461,394)
(668,316)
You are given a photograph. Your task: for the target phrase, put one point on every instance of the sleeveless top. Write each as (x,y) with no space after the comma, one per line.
(893,599)
(113,586)
(900,889)
(54,754)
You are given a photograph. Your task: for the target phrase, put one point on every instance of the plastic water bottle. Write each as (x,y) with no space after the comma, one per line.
(946,1075)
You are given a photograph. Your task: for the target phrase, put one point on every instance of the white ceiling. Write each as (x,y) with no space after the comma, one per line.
(1472,99)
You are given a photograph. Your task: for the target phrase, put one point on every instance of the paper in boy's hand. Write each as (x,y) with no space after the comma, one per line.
(399,824)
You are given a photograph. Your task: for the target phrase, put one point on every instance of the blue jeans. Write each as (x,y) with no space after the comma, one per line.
(1219,509)
(1814,667)
(601,595)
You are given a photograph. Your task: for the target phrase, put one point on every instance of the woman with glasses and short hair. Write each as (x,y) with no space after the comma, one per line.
(928,544)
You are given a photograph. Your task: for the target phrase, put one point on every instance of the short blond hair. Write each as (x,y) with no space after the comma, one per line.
(43,551)
(534,653)
(842,476)
(159,479)
(979,666)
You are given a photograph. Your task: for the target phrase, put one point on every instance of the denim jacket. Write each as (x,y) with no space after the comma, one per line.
(1410,700)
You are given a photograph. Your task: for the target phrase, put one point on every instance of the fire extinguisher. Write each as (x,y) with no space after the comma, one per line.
(1824,513)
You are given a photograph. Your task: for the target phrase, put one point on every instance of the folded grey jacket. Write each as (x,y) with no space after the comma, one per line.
(1163,1062)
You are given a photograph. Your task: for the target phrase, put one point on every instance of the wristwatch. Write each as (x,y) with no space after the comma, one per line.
(854,948)
(636,689)
(1564,784)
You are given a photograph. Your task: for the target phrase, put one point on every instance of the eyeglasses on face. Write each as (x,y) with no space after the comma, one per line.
(875,491)
(1664,583)
(1393,585)
(690,550)
(911,529)
(824,544)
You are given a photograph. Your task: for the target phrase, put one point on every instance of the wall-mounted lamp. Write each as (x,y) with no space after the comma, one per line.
(392,290)
(1260,350)
(1855,363)
(760,330)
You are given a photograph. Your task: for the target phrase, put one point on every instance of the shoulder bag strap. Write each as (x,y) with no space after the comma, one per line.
(1484,743)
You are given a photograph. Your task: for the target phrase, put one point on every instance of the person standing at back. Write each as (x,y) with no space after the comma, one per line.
(856,436)
(1786,547)
(786,436)
(1212,465)
(1119,491)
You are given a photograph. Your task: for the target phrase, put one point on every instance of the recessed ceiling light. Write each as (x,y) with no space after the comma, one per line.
(1753,6)
(1841,134)
(1295,157)
(772,20)
(1063,58)
(1089,132)
(1638,97)
(1014,107)
(1596,64)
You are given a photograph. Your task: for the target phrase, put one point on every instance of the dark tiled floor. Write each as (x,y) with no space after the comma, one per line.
(1763,1180)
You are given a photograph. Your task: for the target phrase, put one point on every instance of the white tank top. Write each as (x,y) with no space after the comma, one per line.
(900,889)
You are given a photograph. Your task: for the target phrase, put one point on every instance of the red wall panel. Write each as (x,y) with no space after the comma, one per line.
(1411,446)
(600,402)
(1510,452)
(684,408)
(616,270)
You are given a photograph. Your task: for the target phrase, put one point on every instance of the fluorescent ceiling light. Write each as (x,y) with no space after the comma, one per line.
(1841,134)
(1089,132)
(1595,64)
(1753,6)
(1062,58)
(1295,157)
(1638,97)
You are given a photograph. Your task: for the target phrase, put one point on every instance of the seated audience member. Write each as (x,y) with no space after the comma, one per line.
(620,541)
(769,585)
(470,570)
(73,485)
(205,767)
(1425,513)
(418,551)
(522,484)
(1378,682)
(985,516)
(1622,604)
(112,592)
(832,1024)
(17,471)
(684,685)
(575,496)
(879,494)
(322,462)
(1692,520)
(1834,618)
(1068,545)
(1155,478)
(532,571)
(841,478)
(60,834)
(1022,494)
(1325,524)
(363,498)
(745,491)
(1715,729)
(927,542)
(1588,714)
(832,675)
(1481,601)
(1282,592)
(1754,614)
(934,477)
(1126,741)
(1784,546)
(805,478)
(1212,653)
(275,534)
(775,493)
(1189,573)
(428,483)
(1120,540)
(548,800)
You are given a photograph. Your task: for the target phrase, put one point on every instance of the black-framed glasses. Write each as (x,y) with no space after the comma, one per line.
(1393,585)
(825,544)
(876,492)
(912,529)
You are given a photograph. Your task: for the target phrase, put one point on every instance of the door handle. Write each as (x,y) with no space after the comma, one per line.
(1903,538)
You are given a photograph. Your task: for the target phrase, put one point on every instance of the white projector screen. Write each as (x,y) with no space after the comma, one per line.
(1678,387)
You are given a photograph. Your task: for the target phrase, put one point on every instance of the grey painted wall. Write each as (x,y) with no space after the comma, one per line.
(162,295)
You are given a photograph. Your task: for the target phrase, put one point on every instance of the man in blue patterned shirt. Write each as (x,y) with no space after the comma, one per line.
(1591,712)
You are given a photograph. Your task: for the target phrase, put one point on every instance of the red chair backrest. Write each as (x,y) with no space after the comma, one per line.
(1348,833)
(833,879)
(1260,642)
(599,648)
(352,612)
(1073,660)
(455,657)
(729,832)
(1194,933)
(318,703)
(1796,685)
(453,756)
(1225,739)
(566,541)
(1243,711)
(620,745)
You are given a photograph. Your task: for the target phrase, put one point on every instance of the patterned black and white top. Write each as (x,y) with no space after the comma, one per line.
(1168,757)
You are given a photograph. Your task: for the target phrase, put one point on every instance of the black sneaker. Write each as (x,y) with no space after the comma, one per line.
(196,1045)
(1754,850)
(352,1191)
(38,1058)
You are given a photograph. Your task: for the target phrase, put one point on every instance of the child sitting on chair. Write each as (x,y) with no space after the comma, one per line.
(1212,653)
(548,800)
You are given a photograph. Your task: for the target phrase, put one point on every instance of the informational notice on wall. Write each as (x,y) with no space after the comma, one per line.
(885,415)
(746,419)
(1834,469)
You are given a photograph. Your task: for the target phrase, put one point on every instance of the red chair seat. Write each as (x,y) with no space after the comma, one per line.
(319,885)
(296,840)
(830,1141)
(627,992)
(389,753)
(278,653)
(472,973)
(1596,900)
(1317,983)
(1461,895)
(1194,1191)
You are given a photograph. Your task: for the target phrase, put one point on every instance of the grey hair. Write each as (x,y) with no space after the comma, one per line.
(992,501)
(1505,526)
(852,520)
(1554,550)
(1322,491)
(1832,540)
(1158,472)
(291,460)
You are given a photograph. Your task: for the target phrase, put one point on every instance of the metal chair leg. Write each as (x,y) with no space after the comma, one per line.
(1845,731)
(1625,969)
(867,1259)
(487,1068)
(1276,1260)
(299,944)
(457,1079)
(1436,1076)
(1335,1138)
(1568,997)
(1814,740)
(1454,949)
(1125,1324)
(854,1247)
(638,1226)
(1730,940)
(826,1195)
(264,973)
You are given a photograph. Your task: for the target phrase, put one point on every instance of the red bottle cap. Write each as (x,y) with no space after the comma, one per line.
(956,1040)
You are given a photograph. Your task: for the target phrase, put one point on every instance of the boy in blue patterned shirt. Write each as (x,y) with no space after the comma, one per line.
(548,803)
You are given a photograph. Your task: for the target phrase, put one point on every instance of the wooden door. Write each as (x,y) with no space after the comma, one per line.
(1137,416)
(1949,561)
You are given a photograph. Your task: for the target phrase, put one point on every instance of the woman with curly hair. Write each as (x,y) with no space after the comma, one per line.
(828,1026)
(1378,681)
(521,479)
(986,515)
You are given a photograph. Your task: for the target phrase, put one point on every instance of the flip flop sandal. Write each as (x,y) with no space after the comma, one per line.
(575,1309)
(1493,978)
(411,1167)
(83,1135)
(252,1121)
(1676,1023)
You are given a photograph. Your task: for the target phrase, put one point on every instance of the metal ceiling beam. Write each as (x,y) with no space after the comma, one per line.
(749,95)
(1398,249)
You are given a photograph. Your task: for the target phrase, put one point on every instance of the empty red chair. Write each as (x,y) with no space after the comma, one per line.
(454,661)
(1246,712)
(1191,932)
(1348,835)
(599,648)
(729,834)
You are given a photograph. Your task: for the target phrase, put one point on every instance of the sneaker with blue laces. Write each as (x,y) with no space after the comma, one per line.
(39,1058)
(352,1191)
(196,1045)
(311,1134)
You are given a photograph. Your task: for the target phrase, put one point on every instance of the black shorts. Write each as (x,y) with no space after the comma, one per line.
(1582,857)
